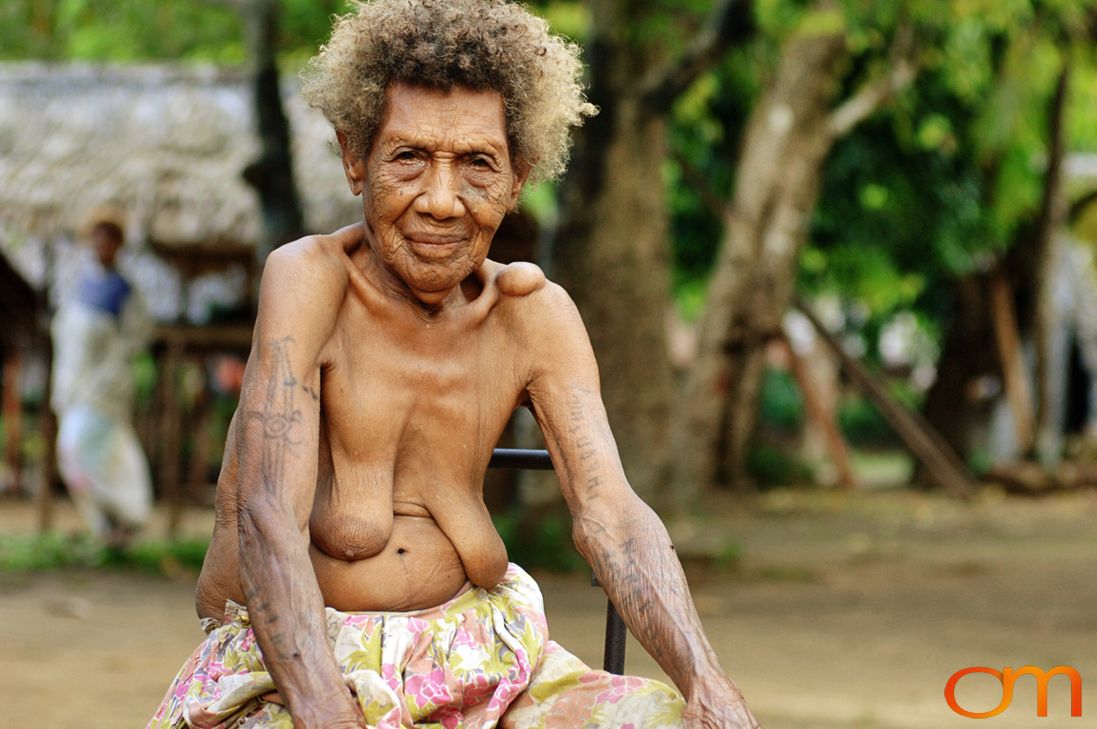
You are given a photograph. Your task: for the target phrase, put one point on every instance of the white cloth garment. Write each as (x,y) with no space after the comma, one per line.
(96,335)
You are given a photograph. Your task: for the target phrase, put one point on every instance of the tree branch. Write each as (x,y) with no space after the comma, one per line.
(731,21)
(1079,205)
(902,68)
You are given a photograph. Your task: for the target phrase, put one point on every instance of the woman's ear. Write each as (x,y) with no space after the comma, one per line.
(521,174)
(353,165)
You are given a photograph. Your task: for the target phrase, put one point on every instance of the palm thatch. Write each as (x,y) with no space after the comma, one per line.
(167,144)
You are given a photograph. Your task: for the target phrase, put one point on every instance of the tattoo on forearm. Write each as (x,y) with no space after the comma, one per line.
(581,432)
(285,606)
(278,414)
(578,425)
(311,392)
(645,580)
(634,558)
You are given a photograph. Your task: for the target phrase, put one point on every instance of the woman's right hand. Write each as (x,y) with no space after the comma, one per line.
(351,719)
(340,713)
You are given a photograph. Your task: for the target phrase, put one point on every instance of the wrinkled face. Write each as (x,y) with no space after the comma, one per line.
(436,184)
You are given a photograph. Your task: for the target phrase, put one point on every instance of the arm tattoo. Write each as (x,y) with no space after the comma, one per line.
(278,414)
(283,598)
(582,434)
(631,553)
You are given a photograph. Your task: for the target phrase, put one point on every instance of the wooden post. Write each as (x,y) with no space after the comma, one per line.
(822,416)
(1014,373)
(13,417)
(47,472)
(943,465)
(170,435)
(198,426)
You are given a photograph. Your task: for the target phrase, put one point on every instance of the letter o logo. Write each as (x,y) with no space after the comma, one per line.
(950,693)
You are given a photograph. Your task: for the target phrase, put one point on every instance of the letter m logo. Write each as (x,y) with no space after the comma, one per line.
(1008,677)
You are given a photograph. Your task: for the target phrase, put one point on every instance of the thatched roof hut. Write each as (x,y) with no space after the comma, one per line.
(167,144)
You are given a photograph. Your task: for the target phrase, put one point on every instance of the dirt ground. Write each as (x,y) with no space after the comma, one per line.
(843,611)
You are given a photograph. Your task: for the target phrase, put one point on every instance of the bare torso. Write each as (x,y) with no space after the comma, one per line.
(410,409)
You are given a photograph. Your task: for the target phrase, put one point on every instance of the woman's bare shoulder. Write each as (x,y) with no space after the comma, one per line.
(316,257)
(544,318)
(310,275)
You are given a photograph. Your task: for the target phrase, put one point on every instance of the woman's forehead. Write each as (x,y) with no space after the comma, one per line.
(459,114)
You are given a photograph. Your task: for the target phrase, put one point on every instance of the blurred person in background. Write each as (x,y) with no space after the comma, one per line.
(100,326)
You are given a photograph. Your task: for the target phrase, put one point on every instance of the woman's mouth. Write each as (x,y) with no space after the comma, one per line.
(434,239)
(433,245)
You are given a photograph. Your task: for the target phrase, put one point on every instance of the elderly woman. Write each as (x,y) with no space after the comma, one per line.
(355,578)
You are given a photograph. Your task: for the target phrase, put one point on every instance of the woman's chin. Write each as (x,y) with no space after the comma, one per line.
(436,281)
(431,290)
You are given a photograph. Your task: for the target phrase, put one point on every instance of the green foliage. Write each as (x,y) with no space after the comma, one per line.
(1081,127)
(49,551)
(781,403)
(941,183)
(863,425)
(777,18)
(729,557)
(897,221)
(771,465)
(570,19)
(144,379)
(119,30)
(936,185)
(547,545)
(704,128)
(36,553)
(164,557)
(142,30)
(781,415)
(304,25)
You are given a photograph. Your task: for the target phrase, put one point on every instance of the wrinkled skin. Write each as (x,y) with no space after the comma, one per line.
(387,359)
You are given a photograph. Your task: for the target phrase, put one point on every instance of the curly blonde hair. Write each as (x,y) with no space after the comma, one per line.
(480,44)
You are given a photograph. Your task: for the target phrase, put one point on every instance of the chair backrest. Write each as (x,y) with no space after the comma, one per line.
(613,655)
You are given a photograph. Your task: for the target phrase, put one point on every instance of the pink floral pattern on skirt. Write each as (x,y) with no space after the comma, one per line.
(481,660)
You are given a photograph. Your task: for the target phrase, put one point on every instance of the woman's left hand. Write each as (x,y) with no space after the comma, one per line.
(718,705)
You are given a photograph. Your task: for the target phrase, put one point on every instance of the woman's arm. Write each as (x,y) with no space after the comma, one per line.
(277,440)
(624,541)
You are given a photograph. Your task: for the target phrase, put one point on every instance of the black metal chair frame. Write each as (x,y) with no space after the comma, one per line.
(613,657)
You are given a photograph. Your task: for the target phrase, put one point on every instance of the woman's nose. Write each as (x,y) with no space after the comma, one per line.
(441,198)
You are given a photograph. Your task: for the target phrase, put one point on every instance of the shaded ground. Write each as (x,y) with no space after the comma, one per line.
(846,612)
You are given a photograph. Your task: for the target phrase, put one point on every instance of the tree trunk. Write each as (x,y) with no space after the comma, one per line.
(610,250)
(272,173)
(783,149)
(1015,376)
(1050,251)
(953,403)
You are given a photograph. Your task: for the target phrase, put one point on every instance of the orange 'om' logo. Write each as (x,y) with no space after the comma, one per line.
(1008,676)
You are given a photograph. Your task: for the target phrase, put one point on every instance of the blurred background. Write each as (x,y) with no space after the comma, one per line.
(836,258)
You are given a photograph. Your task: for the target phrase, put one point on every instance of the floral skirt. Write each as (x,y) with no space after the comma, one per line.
(483,659)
